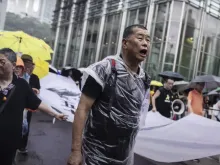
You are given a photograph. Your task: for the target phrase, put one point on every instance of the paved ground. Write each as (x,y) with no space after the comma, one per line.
(49,144)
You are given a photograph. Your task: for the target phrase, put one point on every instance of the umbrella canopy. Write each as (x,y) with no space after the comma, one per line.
(41,68)
(156,83)
(26,44)
(211,82)
(172,75)
(215,92)
(181,85)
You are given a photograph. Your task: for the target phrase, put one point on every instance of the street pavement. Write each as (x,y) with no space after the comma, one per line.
(49,144)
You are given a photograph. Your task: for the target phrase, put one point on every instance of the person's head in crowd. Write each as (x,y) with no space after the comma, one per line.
(28,63)
(19,69)
(168,83)
(8,60)
(199,87)
(135,43)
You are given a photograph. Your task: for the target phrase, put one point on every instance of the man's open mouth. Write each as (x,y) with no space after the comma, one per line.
(143,52)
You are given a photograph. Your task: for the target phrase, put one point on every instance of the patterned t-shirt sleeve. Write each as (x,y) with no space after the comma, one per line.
(100,71)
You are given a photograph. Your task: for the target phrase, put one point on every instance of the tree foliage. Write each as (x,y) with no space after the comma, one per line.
(29,25)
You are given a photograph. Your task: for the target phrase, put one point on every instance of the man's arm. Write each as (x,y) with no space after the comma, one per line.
(155,96)
(81,114)
(190,106)
(189,103)
(44,108)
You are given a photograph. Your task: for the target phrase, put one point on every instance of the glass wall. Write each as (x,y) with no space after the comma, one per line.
(61,46)
(110,35)
(73,54)
(90,43)
(158,38)
(75,40)
(92,32)
(189,41)
(210,49)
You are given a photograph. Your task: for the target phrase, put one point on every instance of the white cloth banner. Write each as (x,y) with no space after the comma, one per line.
(164,140)
(161,139)
(61,94)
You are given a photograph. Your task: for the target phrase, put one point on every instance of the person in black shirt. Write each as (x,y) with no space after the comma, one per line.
(15,96)
(162,99)
(34,83)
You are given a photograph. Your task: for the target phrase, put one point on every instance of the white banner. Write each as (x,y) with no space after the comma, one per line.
(164,140)
(161,139)
(61,94)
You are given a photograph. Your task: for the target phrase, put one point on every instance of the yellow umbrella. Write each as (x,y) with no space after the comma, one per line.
(156,83)
(26,44)
(41,68)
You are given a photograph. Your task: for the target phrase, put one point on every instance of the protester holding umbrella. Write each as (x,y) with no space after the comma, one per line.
(162,99)
(195,97)
(15,95)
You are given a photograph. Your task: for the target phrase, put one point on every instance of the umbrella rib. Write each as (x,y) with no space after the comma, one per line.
(26,46)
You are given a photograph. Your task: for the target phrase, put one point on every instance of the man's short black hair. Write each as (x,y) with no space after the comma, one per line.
(166,79)
(129,30)
(9,53)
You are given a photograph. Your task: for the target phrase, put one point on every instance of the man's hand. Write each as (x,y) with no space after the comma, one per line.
(154,110)
(75,158)
(36,91)
(60,116)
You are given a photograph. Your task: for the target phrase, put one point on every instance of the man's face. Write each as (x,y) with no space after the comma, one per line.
(137,44)
(200,87)
(29,67)
(169,84)
(19,71)
(6,67)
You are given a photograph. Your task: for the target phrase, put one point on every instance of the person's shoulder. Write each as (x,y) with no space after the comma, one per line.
(20,82)
(34,76)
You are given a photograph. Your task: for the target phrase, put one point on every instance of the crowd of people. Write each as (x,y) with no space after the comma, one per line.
(114,99)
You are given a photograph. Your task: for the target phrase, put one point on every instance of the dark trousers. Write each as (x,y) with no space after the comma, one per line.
(7,157)
(24,140)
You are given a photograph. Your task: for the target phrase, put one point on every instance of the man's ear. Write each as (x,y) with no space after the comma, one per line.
(124,44)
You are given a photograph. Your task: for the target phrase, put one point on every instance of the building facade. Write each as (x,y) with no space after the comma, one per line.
(3,6)
(185,34)
(40,9)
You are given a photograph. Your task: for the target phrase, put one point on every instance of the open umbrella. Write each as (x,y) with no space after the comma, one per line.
(181,85)
(215,92)
(41,68)
(211,81)
(156,83)
(172,75)
(26,44)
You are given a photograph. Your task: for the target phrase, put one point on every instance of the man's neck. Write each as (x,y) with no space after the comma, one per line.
(6,80)
(131,64)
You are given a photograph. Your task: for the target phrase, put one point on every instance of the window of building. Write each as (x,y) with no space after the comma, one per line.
(110,35)
(90,44)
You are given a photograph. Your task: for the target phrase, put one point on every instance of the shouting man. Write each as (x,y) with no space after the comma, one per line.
(113,99)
